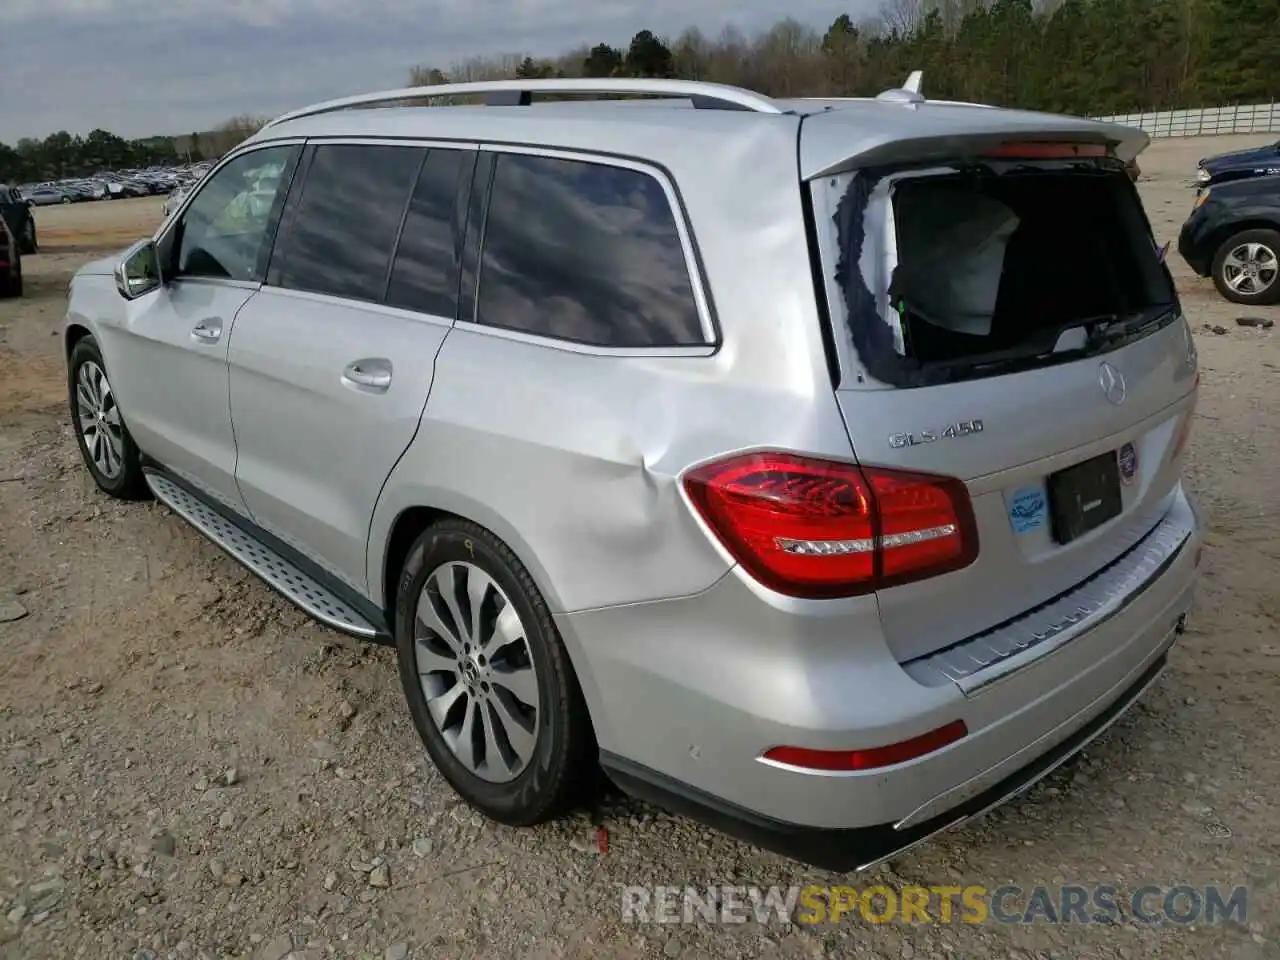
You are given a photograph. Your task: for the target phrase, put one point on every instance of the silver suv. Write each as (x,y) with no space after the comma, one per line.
(812,466)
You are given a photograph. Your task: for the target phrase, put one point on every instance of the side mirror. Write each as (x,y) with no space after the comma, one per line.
(138,271)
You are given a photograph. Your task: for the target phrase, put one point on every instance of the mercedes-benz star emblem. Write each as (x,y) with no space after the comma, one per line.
(1112,382)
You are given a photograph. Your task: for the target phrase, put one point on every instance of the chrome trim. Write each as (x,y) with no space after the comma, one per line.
(383,309)
(278,573)
(690,89)
(974,787)
(1119,708)
(569,346)
(991,655)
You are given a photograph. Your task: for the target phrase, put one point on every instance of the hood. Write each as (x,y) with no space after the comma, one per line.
(1241,158)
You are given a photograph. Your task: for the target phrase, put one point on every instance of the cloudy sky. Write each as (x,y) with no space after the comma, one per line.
(142,67)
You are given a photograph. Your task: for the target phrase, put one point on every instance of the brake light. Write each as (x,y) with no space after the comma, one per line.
(850,760)
(818,528)
(1047,151)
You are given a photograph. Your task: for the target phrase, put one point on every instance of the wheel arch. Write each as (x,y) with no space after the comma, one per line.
(73,334)
(1222,234)
(396,527)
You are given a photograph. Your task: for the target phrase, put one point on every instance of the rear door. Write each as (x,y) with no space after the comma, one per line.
(331,362)
(1043,451)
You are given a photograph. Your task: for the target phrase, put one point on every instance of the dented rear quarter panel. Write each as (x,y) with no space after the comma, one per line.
(574,458)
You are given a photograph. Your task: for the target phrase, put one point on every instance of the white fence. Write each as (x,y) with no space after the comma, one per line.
(1243,118)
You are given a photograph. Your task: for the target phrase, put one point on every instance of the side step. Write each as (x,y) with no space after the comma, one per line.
(278,573)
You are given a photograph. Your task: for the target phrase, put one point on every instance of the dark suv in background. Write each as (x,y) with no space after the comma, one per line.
(10,263)
(1233,236)
(16,213)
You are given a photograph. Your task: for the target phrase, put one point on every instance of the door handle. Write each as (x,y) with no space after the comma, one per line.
(207,331)
(372,374)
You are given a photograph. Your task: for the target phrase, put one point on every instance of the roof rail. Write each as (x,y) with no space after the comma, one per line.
(715,96)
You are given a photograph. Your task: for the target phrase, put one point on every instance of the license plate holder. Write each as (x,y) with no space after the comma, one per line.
(1083,497)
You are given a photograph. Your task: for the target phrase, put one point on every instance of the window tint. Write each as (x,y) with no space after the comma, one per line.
(425,274)
(224,229)
(353,201)
(584,252)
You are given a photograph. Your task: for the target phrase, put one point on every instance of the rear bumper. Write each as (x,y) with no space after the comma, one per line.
(864,847)
(688,694)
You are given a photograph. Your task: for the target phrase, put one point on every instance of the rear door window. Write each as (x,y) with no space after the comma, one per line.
(585,252)
(344,232)
(424,276)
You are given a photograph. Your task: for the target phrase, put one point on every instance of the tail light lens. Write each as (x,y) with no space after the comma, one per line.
(817,528)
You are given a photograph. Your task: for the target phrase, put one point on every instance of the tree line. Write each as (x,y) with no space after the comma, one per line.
(1084,57)
(62,155)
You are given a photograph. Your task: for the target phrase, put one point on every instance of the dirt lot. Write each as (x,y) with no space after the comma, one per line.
(148,665)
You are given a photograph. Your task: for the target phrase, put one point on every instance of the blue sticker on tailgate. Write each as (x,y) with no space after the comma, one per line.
(1028,509)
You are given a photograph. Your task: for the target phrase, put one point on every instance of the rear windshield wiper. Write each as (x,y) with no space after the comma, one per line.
(1135,324)
(1044,345)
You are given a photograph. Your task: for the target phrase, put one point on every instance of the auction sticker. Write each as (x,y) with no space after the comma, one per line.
(1028,509)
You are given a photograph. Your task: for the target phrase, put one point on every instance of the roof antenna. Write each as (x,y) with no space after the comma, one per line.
(908,94)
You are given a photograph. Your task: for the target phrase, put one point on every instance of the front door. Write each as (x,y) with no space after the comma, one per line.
(171,354)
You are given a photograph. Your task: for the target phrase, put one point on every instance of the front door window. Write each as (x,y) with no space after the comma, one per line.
(225,229)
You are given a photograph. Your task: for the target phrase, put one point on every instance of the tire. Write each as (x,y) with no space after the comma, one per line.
(66,200)
(1259,248)
(559,761)
(28,241)
(11,287)
(116,469)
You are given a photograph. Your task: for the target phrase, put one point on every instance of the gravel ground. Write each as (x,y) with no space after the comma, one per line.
(190,768)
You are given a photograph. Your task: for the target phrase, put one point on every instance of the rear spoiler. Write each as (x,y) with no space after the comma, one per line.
(901,125)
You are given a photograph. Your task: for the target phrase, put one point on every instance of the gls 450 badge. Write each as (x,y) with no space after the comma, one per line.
(965,428)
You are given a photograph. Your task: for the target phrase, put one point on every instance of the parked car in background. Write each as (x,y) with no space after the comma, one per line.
(10,263)
(598,424)
(16,213)
(1233,236)
(1239,164)
(45,196)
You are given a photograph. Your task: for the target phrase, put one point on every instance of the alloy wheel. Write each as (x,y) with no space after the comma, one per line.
(99,420)
(476,671)
(1250,269)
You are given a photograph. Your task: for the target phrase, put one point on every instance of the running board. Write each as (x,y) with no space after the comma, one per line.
(280,574)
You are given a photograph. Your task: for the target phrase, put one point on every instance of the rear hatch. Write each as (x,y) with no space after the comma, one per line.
(1001,315)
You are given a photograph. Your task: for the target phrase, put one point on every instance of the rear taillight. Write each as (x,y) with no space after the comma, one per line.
(818,528)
